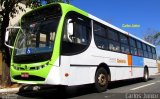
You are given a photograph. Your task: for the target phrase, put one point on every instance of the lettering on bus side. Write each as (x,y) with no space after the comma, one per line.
(121,61)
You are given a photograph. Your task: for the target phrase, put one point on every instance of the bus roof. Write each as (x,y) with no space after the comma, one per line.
(118,29)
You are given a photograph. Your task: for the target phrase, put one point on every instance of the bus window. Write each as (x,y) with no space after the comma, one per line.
(144,47)
(132,42)
(139,46)
(80,39)
(133,46)
(99,29)
(149,51)
(145,50)
(125,48)
(154,53)
(124,44)
(114,46)
(133,50)
(100,36)
(123,39)
(113,35)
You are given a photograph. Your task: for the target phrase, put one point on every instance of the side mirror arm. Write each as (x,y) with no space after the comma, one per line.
(69,29)
(7,36)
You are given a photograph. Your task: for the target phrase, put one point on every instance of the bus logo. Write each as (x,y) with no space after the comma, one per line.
(28,51)
(121,61)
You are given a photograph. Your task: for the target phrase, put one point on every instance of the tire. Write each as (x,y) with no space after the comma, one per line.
(146,75)
(101,80)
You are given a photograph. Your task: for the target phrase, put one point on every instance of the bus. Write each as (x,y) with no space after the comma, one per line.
(59,44)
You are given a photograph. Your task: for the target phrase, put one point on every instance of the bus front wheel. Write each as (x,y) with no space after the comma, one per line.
(101,80)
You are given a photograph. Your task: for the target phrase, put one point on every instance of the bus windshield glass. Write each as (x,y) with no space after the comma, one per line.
(36,37)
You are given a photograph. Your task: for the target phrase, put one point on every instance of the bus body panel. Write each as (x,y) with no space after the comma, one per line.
(150,62)
(153,71)
(137,72)
(152,66)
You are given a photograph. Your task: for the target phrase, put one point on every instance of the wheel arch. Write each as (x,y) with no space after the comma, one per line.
(106,67)
(146,67)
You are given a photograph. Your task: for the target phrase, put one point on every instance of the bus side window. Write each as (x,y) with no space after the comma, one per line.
(80,39)
(124,44)
(145,50)
(113,36)
(133,46)
(154,53)
(114,46)
(139,47)
(149,52)
(100,36)
(80,34)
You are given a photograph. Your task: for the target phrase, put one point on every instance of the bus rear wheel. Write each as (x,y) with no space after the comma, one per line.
(146,75)
(101,80)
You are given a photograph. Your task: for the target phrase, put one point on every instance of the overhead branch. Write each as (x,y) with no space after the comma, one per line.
(2,13)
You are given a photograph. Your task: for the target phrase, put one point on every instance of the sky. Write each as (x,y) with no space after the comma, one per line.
(143,14)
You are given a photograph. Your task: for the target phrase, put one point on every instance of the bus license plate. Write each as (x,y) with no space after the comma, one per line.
(24,75)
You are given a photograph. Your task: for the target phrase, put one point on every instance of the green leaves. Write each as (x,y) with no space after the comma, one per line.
(36,3)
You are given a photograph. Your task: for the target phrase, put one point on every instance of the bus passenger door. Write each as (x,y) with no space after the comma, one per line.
(76,39)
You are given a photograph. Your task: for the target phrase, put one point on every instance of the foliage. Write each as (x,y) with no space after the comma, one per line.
(37,3)
(152,37)
(157,37)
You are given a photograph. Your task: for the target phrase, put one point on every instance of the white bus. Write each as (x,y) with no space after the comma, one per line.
(59,44)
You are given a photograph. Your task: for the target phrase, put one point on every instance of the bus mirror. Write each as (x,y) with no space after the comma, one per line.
(69,29)
(6,39)
(7,36)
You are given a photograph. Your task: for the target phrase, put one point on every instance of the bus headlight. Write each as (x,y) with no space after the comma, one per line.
(40,67)
(30,68)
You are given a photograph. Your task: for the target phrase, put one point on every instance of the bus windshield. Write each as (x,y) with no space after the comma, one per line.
(36,37)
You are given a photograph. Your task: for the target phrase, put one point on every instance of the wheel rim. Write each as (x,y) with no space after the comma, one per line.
(102,80)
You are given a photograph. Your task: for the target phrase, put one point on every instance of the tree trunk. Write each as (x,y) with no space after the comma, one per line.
(5,50)
(5,75)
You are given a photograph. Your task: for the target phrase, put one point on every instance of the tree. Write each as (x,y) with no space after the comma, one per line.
(0,29)
(8,9)
(157,38)
(152,36)
(37,3)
